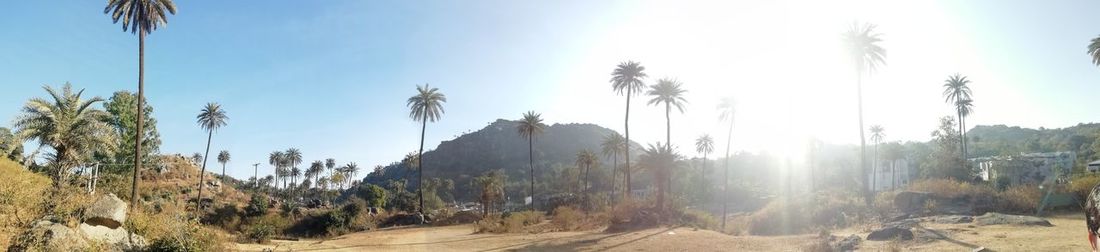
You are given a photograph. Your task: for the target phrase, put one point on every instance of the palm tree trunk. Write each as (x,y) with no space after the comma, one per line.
(614,173)
(726,176)
(874,170)
(626,129)
(668,143)
(223,173)
(531,163)
(202,173)
(862,140)
(587,167)
(420,165)
(702,174)
(140,114)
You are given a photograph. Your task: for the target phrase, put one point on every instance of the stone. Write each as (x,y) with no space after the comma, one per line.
(910,201)
(950,219)
(46,235)
(847,244)
(118,238)
(992,218)
(890,233)
(107,211)
(906,223)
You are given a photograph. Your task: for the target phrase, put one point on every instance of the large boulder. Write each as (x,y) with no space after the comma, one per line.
(911,201)
(118,238)
(950,219)
(890,233)
(107,211)
(992,218)
(45,235)
(847,244)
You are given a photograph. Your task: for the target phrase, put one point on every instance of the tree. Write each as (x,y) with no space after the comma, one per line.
(956,92)
(491,185)
(223,157)
(293,157)
(1094,51)
(529,127)
(726,112)
(276,161)
(425,106)
(314,171)
(330,163)
(945,160)
(668,91)
(196,158)
(627,79)
(141,17)
(965,108)
(586,159)
(10,147)
(352,169)
(613,144)
(67,124)
(877,135)
(704,145)
(866,55)
(660,159)
(374,195)
(211,118)
(123,109)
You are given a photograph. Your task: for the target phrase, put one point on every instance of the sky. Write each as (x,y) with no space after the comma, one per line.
(331,77)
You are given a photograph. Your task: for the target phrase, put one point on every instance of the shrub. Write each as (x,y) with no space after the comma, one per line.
(258,205)
(509,223)
(227,217)
(20,196)
(950,188)
(1081,186)
(567,218)
(175,233)
(698,219)
(261,232)
(1020,198)
(373,194)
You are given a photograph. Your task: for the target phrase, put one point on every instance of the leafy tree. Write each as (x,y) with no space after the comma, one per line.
(123,109)
(866,55)
(257,206)
(373,194)
(627,79)
(67,124)
(945,159)
(726,112)
(210,119)
(529,127)
(9,146)
(141,17)
(613,145)
(425,106)
(956,92)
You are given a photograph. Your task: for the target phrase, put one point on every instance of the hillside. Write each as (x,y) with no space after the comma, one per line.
(1004,140)
(499,146)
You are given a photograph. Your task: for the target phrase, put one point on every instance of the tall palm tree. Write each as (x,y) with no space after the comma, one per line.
(330,163)
(955,92)
(627,79)
(211,118)
(223,157)
(141,17)
(529,127)
(294,173)
(668,91)
(425,106)
(69,125)
(861,42)
(293,159)
(586,159)
(704,145)
(726,112)
(351,169)
(965,108)
(877,135)
(314,172)
(613,144)
(1094,51)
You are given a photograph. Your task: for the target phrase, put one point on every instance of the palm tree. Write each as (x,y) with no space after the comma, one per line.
(330,163)
(210,119)
(668,91)
(705,145)
(352,170)
(314,172)
(585,158)
(956,92)
(965,108)
(1094,51)
(223,157)
(877,135)
(294,173)
(627,78)
(613,144)
(726,112)
(425,106)
(660,159)
(293,159)
(529,127)
(141,17)
(69,125)
(276,161)
(866,55)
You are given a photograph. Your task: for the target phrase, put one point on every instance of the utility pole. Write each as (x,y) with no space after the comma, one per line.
(255,175)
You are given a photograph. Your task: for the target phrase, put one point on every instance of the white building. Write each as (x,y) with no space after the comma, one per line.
(890,175)
(1026,167)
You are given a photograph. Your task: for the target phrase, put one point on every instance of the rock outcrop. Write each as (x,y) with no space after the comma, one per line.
(107,211)
(992,218)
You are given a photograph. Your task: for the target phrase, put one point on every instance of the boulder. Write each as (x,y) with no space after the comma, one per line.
(107,211)
(45,235)
(910,201)
(950,219)
(906,223)
(847,244)
(890,233)
(992,218)
(118,238)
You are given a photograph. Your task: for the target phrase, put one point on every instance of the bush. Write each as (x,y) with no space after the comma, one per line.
(509,223)
(953,189)
(258,205)
(261,232)
(1020,198)
(1081,186)
(174,233)
(20,198)
(373,194)
(567,218)
(698,219)
(227,217)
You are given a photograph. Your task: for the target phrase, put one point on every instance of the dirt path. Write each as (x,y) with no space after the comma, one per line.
(1067,234)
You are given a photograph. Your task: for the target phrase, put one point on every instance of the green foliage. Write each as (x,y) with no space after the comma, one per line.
(403,201)
(373,194)
(69,125)
(1004,140)
(189,236)
(258,205)
(261,232)
(946,158)
(9,146)
(122,107)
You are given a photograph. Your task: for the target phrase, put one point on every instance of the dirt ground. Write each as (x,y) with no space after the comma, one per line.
(1067,234)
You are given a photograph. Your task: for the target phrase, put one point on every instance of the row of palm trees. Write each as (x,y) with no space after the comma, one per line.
(285,165)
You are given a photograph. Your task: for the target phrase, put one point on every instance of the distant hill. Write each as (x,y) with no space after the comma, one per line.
(499,146)
(1004,140)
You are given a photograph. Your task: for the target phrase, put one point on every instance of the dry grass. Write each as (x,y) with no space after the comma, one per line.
(950,188)
(1020,198)
(515,222)
(20,198)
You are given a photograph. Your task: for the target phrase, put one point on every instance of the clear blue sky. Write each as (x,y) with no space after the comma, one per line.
(331,77)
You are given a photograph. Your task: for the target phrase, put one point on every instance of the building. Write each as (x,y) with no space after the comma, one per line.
(890,175)
(1026,167)
(1093,166)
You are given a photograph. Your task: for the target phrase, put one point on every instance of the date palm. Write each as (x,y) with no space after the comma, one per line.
(627,79)
(223,157)
(351,169)
(1094,51)
(660,159)
(956,91)
(68,124)
(314,172)
(530,126)
(725,113)
(426,106)
(704,145)
(330,163)
(865,55)
(877,135)
(141,17)
(613,145)
(586,159)
(668,91)
(211,118)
